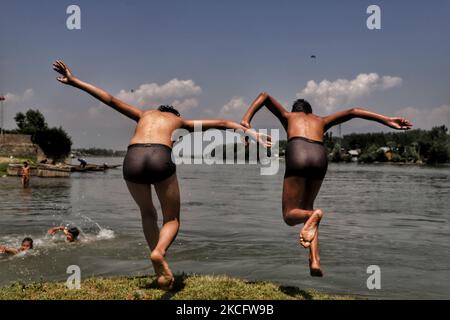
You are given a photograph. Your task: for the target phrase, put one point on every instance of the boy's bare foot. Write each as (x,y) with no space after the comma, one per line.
(308,231)
(314,269)
(164,274)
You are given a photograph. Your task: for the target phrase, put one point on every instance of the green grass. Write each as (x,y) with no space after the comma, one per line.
(189,287)
(3,167)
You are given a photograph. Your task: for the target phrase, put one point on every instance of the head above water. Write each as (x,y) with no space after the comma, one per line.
(169,109)
(71,233)
(25,163)
(27,244)
(301,105)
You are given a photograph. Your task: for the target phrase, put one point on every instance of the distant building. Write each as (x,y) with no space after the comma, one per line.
(387,152)
(354,154)
(384,149)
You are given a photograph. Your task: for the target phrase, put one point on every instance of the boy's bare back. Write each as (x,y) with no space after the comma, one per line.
(156,127)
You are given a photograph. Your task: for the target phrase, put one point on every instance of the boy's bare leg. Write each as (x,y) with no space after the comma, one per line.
(314,258)
(142,195)
(293,192)
(308,232)
(169,196)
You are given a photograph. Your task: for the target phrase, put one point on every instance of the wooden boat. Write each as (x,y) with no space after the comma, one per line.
(59,170)
(93,167)
(40,170)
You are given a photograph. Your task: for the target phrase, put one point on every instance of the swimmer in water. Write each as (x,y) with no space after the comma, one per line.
(307,162)
(25,173)
(148,162)
(70,232)
(27,244)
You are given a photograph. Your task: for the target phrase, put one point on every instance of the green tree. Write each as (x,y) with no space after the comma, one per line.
(336,155)
(329,141)
(30,122)
(373,153)
(411,152)
(438,151)
(55,142)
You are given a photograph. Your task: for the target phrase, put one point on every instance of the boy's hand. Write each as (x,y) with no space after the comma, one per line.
(399,123)
(53,231)
(2,249)
(246,124)
(67,76)
(264,139)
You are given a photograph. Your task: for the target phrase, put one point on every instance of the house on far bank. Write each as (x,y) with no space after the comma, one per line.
(354,154)
(20,146)
(387,152)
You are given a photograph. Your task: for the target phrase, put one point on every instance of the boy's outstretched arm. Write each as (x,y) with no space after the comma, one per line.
(190,125)
(54,230)
(8,250)
(68,78)
(264,99)
(398,123)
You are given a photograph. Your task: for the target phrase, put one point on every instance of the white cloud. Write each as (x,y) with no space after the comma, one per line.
(16,103)
(328,95)
(185,104)
(427,118)
(179,93)
(234,109)
(13,99)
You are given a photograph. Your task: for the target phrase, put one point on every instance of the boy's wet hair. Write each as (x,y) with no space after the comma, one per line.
(28,239)
(74,231)
(170,109)
(301,105)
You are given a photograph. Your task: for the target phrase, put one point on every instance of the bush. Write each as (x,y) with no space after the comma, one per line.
(438,153)
(3,167)
(54,142)
(336,155)
(410,153)
(396,158)
(372,154)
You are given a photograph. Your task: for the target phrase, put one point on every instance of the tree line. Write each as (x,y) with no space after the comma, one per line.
(98,152)
(412,146)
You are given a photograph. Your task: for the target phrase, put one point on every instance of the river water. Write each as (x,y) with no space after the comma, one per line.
(394,217)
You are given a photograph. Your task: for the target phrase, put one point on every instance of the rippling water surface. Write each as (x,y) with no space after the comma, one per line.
(396,217)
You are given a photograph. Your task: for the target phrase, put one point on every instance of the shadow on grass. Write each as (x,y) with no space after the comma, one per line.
(178,285)
(295,292)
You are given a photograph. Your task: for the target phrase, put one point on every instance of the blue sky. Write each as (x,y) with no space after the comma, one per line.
(213,57)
